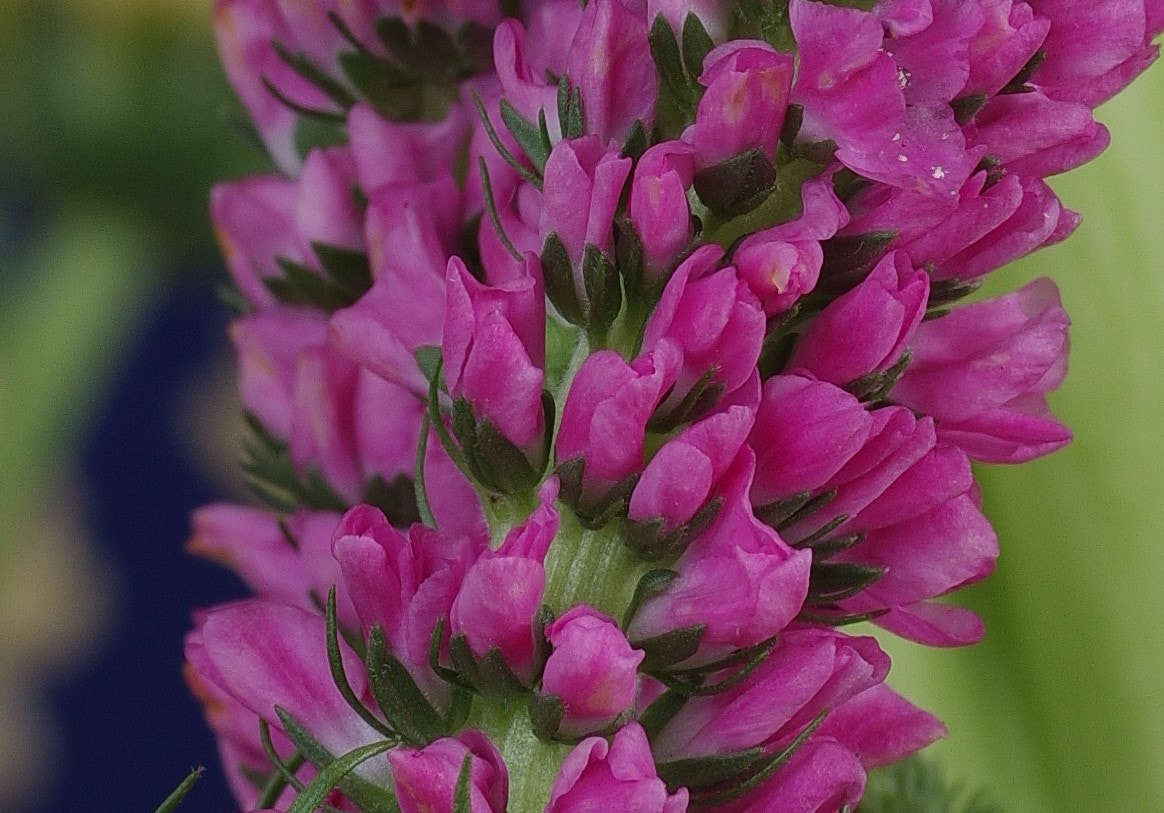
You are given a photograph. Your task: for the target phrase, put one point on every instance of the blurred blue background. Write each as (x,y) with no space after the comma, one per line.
(118,418)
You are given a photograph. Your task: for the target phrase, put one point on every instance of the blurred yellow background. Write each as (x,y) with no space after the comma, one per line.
(115,112)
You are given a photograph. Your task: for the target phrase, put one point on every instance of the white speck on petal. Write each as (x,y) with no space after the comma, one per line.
(939,173)
(896,137)
(902,158)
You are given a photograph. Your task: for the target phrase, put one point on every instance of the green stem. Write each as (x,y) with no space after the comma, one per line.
(592,567)
(533,764)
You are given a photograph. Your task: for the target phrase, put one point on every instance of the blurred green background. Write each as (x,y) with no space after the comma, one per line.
(116,121)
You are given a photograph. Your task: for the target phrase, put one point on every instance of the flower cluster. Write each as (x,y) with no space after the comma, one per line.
(604,361)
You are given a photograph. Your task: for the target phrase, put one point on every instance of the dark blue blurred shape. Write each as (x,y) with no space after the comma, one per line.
(132,728)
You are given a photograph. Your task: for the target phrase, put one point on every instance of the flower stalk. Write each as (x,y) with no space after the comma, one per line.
(607,363)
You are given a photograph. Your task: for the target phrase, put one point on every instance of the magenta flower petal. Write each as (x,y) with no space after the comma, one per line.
(610,63)
(738,578)
(592,670)
(615,776)
(866,329)
(995,410)
(426,779)
(267,655)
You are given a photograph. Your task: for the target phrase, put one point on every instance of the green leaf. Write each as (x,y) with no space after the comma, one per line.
(504,467)
(558,273)
(793,119)
(918,785)
(670,647)
(307,69)
(314,794)
(967,107)
(403,703)
(491,209)
(379,81)
(737,185)
(461,799)
(532,177)
(545,715)
(850,257)
(662,711)
(532,138)
(428,359)
(174,799)
(570,115)
(754,655)
(697,44)
(420,486)
(603,292)
(339,676)
(781,205)
(699,400)
(653,583)
(303,286)
(349,269)
(773,764)
(701,773)
(312,132)
(398,499)
(285,770)
(669,62)
(628,256)
(497,679)
(833,581)
(636,142)
(274,478)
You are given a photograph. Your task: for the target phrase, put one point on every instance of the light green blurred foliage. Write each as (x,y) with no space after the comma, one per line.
(1059,709)
(116,122)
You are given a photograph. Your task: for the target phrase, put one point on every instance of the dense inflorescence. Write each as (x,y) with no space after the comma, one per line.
(604,362)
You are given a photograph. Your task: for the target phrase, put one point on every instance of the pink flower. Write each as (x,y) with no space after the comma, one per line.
(501,592)
(390,152)
(426,779)
(606,413)
(782,263)
(752,371)
(984,229)
(809,671)
(263,220)
(245,30)
(610,63)
(403,584)
(805,432)
(592,671)
(983,372)
(748,84)
(846,82)
(615,776)
(682,476)
(411,231)
(1010,35)
(1095,49)
(267,655)
(865,330)
(820,777)
(1033,135)
(583,182)
(715,320)
(737,579)
(494,352)
(658,207)
(255,544)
